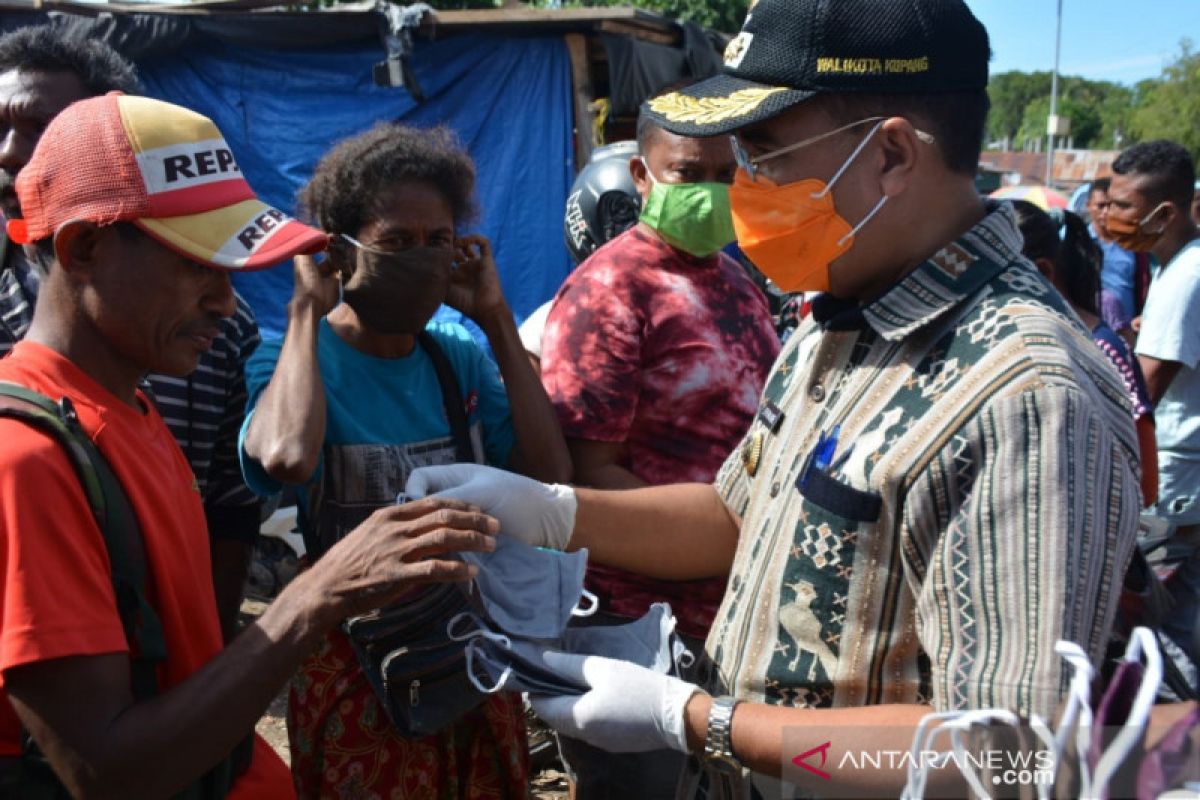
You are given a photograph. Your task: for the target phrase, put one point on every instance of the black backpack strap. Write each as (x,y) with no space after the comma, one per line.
(5,246)
(116,520)
(456,412)
(126,553)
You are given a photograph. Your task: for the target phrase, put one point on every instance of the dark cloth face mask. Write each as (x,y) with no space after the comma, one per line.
(524,665)
(528,592)
(397,292)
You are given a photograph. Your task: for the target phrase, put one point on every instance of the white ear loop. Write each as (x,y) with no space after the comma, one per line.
(472,639)
(649,174)
(586,611)
(864,221)
(841,170)
(1142,222)
(1077,714)
(1142,644)
(923,757)
(846,164)
(922,743)
(469,652)
(469,634)
(680,654)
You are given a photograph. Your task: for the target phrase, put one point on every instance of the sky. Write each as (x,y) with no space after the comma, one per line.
(1124,41)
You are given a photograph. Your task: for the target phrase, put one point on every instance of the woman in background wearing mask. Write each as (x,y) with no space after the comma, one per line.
(1059,245)
(351,401)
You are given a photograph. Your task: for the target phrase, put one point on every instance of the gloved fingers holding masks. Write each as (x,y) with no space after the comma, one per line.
(629,708)
(536,513)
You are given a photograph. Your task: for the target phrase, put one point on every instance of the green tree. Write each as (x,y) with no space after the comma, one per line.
(1115,107)
(1011,93)
(1021,103)
(1169,108)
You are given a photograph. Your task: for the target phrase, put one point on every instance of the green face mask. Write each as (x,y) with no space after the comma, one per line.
(693,217)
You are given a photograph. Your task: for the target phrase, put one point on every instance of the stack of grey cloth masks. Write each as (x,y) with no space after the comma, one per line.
(522,600)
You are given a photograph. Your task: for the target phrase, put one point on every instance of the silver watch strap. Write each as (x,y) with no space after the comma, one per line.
(718,743)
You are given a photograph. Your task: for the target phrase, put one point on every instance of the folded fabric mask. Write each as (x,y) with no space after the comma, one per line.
(527,592)
(525,665)
(1174,761)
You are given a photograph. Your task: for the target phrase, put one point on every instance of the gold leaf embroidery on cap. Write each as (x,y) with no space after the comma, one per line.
(678,107)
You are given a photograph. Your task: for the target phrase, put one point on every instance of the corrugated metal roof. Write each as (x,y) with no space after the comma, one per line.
(1071,167)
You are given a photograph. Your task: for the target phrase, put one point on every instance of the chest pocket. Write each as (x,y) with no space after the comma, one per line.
(820,487)
(814,588)
(357,480)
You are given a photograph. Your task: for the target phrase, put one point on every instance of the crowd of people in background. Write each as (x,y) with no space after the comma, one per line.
(847,417)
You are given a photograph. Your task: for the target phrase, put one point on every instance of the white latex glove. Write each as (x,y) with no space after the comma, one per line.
(536,513)
(630,709)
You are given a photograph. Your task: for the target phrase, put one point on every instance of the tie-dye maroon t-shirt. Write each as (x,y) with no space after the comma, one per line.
(667,353)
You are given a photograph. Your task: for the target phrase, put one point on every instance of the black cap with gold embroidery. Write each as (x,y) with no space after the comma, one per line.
(790,50)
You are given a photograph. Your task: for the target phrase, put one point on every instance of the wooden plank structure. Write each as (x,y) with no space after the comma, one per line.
(580,28)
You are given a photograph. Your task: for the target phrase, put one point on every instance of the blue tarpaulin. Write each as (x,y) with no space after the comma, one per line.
(508,98)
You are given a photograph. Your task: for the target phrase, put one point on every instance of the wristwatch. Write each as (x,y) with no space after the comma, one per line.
(718,742)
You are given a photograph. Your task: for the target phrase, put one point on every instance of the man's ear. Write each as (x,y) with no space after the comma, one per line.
(1162,217)
(77,246)
(902,149)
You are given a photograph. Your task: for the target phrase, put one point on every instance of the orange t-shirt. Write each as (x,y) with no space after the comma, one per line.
(57,597)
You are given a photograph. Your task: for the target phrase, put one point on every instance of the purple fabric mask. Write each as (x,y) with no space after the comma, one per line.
(1173,761)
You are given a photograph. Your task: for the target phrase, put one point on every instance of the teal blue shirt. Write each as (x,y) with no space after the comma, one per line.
(390,401)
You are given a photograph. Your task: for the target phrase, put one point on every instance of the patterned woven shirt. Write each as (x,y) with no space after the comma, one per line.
(978,504)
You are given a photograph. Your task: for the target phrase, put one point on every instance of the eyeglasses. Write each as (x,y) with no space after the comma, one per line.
(750,164)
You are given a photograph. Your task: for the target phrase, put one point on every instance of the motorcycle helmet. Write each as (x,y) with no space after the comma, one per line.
(603,201)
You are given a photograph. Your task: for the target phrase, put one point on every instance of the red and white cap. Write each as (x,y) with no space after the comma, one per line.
(162,167)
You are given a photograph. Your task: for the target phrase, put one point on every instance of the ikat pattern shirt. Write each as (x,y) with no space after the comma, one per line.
(979,504)
(667,353)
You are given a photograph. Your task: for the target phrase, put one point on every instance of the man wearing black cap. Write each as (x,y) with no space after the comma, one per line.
(941,481)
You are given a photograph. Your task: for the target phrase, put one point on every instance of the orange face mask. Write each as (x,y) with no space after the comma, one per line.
(792,232)
(1133,236)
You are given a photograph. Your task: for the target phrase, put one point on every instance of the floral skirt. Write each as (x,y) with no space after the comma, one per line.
(343,745)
